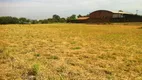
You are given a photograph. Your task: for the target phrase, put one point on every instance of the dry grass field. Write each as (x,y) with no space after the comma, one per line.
(71,52)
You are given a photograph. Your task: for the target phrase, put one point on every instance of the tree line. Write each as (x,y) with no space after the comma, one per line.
(55,19)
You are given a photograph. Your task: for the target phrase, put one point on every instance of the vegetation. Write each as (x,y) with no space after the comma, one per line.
(71,52)
(8,20)
(22,20)
(79,16)
(72,17)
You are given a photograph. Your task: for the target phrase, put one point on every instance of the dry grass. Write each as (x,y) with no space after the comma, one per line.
(71,52)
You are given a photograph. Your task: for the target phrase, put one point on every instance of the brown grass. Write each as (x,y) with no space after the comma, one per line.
(71,52)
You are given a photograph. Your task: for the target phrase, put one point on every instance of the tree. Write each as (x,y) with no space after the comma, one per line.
(56,18)
(62,20)
(120,11)
(72,17)
(50,20)
(8,20)
(79,16)
(34,21)
(43,21)
(14,20)
(23,20)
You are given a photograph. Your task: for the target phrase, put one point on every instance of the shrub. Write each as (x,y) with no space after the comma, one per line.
(34,70)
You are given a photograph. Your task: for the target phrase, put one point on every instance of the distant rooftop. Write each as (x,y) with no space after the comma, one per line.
(82,18)
(121,12)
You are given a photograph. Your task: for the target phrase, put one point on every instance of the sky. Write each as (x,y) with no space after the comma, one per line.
(43,9)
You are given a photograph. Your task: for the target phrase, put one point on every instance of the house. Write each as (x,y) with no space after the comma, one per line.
(105,16)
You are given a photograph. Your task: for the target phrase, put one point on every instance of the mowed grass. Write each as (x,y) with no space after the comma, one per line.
(71,52)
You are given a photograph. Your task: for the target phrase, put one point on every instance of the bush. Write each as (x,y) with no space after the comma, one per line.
(34,70)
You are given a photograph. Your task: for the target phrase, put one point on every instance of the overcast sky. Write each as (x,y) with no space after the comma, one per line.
(42,9)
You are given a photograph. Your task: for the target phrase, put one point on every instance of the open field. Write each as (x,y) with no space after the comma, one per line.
(71,52)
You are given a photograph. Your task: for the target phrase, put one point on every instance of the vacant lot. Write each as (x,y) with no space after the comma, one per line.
(71,52)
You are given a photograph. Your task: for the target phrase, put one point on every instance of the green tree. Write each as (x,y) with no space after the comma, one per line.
(62,20)
(56,18)
(50,20)
(23,20)
(34,21)
(72,17)
(43,21)
(79,16)
(8,20)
